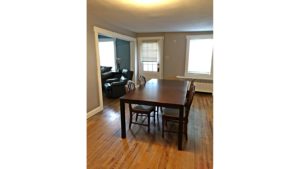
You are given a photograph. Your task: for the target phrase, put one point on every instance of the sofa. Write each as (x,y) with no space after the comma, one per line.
(106,73)
(115,87)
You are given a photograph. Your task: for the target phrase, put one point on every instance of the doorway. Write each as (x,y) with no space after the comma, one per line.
(150,57)
(113,35)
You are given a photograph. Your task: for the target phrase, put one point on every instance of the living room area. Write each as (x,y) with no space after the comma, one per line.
(114,54)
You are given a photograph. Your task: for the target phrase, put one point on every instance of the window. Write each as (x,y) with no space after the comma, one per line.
(107,53)
(199,56)
(150,56)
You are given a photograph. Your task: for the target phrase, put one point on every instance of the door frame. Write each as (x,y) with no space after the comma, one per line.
(133,55)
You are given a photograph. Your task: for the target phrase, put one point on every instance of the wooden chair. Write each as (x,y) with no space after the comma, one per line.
(142,80)
(139,110)
(190,87)
(130,86)
(170,114)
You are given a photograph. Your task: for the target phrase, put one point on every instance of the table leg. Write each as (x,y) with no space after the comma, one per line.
(180,128)
(123,126)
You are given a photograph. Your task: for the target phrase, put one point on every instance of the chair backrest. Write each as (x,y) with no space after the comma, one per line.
(126,73)
(130,75)
(189,101)
(142,80)
(192,84)
(130,86)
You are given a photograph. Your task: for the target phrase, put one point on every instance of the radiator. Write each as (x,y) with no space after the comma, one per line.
(201,84)
(203,87)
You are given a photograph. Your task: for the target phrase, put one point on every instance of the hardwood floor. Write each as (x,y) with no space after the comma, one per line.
(106,148)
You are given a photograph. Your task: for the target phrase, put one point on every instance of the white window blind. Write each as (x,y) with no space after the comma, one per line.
(149,51)
(199,56)
(150,56)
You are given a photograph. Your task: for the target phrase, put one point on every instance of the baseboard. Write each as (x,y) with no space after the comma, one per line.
(205,92)
(93,112)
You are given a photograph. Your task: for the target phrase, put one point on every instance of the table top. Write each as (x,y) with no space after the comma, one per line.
(159,91)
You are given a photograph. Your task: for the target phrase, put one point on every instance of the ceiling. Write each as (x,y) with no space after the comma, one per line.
(155,15)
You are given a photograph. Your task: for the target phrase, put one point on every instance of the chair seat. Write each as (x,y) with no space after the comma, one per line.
(170,112)
(143,107)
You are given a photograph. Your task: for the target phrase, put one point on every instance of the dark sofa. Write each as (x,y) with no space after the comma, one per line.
(106,73)
(115,87)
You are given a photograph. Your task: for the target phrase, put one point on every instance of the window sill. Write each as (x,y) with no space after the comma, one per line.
(200,79)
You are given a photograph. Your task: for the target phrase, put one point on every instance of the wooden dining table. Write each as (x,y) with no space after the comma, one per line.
(158,92)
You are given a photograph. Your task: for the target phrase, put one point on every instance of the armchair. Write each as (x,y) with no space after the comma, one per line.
(125,74)
(115,87)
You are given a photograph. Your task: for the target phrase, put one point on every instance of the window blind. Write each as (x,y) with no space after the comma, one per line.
(149,51)
(200,56)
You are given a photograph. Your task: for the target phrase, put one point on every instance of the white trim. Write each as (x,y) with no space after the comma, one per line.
(115,53)
(98,71)
(151,38)
(131,45)
(105,32)
(136,70)
(199,36)
(161,58)
(94,111)
(133,59)
(113,34)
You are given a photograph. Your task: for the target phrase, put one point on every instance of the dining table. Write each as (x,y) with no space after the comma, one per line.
(157,92)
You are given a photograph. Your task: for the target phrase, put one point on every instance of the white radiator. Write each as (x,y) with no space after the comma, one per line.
(203,87)
(201,84)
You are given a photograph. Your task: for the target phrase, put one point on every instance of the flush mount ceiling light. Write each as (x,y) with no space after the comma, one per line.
(148,3)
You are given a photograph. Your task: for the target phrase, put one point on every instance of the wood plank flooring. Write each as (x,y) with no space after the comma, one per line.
(141,150)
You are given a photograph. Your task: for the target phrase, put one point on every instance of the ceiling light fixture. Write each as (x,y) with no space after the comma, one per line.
(148,3)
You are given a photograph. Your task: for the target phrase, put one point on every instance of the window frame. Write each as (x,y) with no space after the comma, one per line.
(197,75)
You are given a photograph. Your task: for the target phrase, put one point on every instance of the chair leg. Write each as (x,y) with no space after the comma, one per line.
(185,128)
(148,122)
(163,127)
(157,117)
(136,116)
(130,119)
(154,116)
